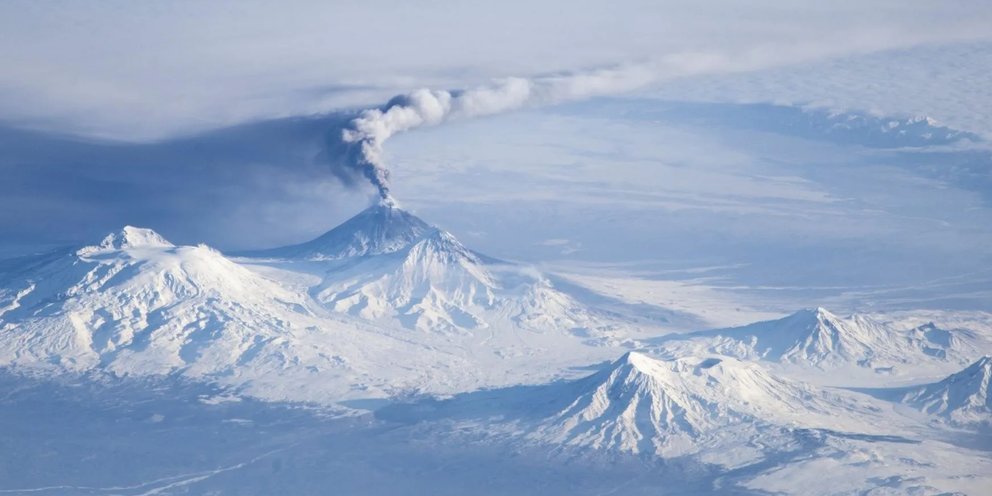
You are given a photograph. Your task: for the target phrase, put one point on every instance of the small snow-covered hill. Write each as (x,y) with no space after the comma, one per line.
(388,266)
(962,398)
(818,339)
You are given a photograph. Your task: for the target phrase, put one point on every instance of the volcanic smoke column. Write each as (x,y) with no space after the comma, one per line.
(358,152)
(365,135)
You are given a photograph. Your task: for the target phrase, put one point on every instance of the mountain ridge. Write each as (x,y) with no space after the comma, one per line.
(136,305)
(818,339)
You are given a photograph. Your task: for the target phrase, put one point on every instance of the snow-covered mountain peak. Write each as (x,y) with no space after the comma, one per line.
(821,338)
(440,247)
(387,265)
(814,335)
(436,283)
(976,376)
(640,404)
(130,237)
(637,405)
(380,229)
(636,360)
(676,371)
(444,239)
(963,397)
(813,316)
(136,304)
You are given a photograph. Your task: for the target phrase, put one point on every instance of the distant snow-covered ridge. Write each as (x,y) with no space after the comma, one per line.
(819,340)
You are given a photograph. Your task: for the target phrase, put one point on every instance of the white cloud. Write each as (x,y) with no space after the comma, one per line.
(149,69)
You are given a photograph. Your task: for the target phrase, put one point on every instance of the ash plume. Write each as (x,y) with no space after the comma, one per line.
(361,141)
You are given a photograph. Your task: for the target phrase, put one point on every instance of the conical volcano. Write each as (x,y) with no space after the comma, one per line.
(389,266)
(380,229)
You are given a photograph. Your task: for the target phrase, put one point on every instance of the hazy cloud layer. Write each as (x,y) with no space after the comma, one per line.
(135,70)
